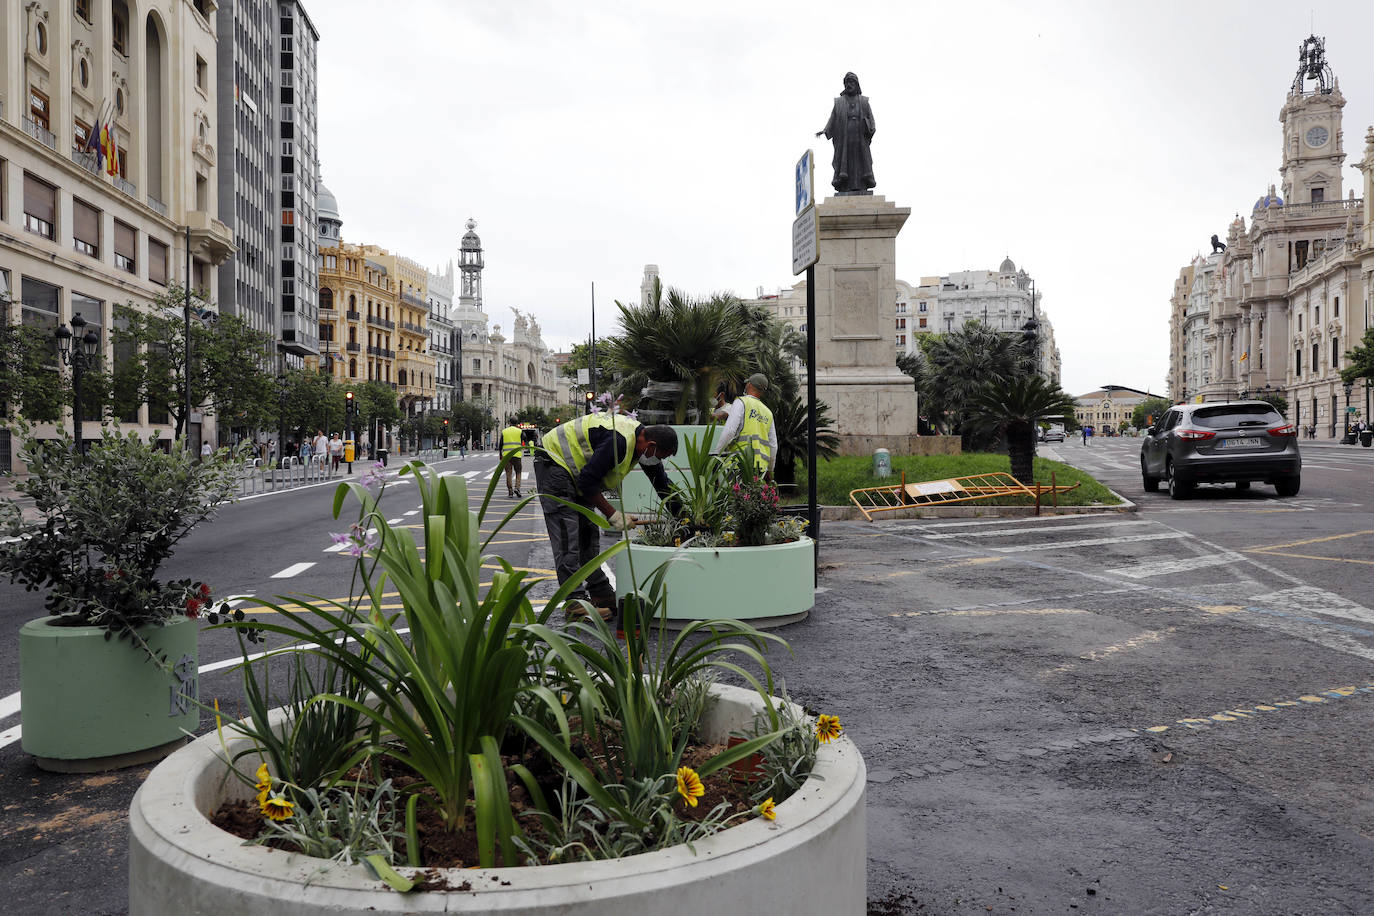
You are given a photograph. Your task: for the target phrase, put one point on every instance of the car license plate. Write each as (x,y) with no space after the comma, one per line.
(1249,442)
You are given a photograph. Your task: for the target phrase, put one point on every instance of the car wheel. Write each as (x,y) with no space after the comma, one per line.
(1242,484)
(1151,484)
(1288,486)
(1179,488)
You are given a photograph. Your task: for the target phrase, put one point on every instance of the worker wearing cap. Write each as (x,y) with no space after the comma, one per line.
(750,425)
(577,462)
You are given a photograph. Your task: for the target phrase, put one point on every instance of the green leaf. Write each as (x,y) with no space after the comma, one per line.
(384,872)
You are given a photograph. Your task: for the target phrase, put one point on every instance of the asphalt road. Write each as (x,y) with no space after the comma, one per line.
(1161,711)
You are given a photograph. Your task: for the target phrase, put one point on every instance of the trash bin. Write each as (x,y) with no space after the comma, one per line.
(1366,436)
(381,456)
(350,451)
(882,463)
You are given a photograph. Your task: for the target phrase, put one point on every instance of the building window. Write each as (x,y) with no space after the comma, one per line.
(157,262)
(1336,307)
(202,73)
(119,100)
(1316,357)
(901,308)
(119,30)
(41,38)
(1318,195)
(923,322)
(1335,353)
(86,228)
(124,248)
(901,340)
(901,324)
(1297,362)
(38,108)
(923,306)
(83,73)
(40,207)
(83,9)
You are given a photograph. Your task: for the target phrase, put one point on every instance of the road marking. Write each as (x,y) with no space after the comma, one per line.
(1024,522)
(1153,568)
(411,512)
(1012,531)
(293,570)
(1309,556)
(1040,611)
(1259,548)
(1241,713)
(1094,542)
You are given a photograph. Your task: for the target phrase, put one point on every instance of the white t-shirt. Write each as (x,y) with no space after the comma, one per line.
(336,446)
(321,446)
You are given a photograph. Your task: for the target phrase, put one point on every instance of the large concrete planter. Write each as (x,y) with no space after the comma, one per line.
(90,704)
(637,497)
(766,586)
(812,859)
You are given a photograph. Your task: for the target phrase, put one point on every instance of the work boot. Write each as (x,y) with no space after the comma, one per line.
(575,608)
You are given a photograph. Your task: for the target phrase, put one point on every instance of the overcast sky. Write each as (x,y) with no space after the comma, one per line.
(1098,144)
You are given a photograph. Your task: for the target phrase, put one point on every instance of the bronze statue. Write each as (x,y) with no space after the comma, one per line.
(851,128)
(1217,245)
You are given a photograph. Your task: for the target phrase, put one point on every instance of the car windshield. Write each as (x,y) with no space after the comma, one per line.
(1234,415)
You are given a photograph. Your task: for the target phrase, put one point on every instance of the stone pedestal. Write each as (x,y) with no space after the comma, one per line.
(856,285)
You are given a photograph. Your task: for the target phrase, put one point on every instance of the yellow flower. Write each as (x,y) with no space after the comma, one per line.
(828,728)
(768,810)
(264,784)
(689,785)
(275,807)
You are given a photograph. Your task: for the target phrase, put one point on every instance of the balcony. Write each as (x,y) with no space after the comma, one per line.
(381,322)
(209,235)
(128,187)
(87,160)
(414,299)
(413,328)
(157,205)
(353,347)
(40,133)
(351,315)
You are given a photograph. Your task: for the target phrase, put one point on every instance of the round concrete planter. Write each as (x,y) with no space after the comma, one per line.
(90,704)
(812,859)
(766,586)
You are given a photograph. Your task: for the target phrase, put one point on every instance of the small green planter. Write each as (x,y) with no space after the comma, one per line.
(765,586)
(89,704)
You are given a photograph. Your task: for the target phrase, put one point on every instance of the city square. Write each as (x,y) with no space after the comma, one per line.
(898,582)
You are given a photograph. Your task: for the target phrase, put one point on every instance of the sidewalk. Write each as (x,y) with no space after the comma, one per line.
(9,492)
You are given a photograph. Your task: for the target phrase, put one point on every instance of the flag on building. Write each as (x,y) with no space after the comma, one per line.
(109,149)
(93,139)
(1244,356)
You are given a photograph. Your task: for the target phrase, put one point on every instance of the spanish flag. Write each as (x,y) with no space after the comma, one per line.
(1244,356)
(109,149)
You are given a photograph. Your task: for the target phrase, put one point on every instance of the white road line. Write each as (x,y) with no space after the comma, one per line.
(9,705)
(293,570)
(394,521)
(1004,532)
(411,512)
(1165,567)
(1093,542)
(470,474)
(1025,522)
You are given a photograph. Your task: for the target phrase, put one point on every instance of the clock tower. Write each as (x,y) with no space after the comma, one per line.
(1312,141)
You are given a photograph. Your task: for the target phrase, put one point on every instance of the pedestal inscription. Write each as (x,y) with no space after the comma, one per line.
(856,304)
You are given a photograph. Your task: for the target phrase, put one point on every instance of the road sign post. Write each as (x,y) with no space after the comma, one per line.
(805,254)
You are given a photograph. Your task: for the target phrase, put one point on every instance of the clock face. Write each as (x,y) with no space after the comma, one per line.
(1317,136)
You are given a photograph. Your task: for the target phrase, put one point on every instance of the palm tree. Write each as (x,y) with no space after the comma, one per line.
(956,366)
(789,420)
(695,342)
(1011,407)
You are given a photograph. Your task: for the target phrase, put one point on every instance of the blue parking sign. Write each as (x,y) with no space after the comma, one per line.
(803,181)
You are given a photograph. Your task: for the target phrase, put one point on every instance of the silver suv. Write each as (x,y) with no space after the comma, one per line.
(1219,442)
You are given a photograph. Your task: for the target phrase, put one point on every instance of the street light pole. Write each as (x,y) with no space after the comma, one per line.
(77,350)
(187,309)
(1348,387)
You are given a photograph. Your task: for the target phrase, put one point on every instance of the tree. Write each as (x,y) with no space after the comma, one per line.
(229,367)
(1361,359)
(789,420)
(1149,411)
(29,382)
(1011,408)
(1277,401)
(375,402)
(957,365)
(531,414)
(471,421)
(680,339)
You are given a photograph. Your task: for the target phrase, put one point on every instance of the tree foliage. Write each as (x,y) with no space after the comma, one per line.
(951,369)
(1149,411)
(1010,408)
(1361,359)
(30,384)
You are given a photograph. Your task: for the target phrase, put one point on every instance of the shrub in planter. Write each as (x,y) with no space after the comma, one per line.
(108,520)
(464,728)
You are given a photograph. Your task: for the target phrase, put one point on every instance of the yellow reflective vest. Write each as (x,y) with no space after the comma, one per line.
(569,446)
(510,441)
(758,422)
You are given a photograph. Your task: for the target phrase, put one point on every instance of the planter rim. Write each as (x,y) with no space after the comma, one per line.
(166,824)
(48,622)
(802,541)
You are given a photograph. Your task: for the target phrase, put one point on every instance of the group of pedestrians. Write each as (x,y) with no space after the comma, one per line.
(324,451)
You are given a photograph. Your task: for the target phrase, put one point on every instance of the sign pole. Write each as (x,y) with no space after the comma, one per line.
(805,254)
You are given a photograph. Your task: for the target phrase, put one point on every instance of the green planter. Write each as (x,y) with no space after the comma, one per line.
(765,586)
(637,497)
(89,704)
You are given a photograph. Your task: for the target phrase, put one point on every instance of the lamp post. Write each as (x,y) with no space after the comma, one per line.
(80,358)
(283,384)
(1347,387)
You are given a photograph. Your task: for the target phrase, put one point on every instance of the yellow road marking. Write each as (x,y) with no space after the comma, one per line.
(1329,537)
(1306,556)
(991,612)
(1221,608)
(1245,712)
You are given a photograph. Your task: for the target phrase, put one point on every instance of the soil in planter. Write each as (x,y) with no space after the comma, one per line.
(442,848)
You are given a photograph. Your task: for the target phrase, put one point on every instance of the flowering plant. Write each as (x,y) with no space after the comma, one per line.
(108,519)
(753,504)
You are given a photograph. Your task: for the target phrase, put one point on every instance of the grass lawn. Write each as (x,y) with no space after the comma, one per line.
(840,475)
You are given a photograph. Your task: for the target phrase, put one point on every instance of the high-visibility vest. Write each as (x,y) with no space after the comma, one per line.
(510,441)
(758,421)
(569,446)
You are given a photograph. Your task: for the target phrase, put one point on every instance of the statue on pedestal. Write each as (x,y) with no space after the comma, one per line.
(851,129)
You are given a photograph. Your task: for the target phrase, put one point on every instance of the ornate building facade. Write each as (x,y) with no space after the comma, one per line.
(1278,309)
(74,238)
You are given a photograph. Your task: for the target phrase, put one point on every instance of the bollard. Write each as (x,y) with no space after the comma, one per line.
(882,463)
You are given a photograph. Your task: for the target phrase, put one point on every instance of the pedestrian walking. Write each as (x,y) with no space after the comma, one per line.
(511,448)
(320,447)
(578,461)
(749,425)
(305,450)
(206,451)
(336,449)
(463,448)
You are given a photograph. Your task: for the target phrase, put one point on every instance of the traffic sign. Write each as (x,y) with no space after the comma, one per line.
(805,245)
(805,181)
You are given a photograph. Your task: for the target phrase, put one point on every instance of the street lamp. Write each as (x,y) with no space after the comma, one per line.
(1347,387)
(80,358)
(283,385)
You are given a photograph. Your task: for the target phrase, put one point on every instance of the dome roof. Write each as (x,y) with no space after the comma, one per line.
(1008,267)
(470,238)
(1269,200)
(326,204)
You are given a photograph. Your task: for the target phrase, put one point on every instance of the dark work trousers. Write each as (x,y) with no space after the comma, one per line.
(575,539)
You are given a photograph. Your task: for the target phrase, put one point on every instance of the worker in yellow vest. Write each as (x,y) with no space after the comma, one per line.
(510,448)
(577,462)
(750,425)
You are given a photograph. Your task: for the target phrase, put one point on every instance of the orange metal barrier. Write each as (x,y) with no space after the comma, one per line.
(893,497)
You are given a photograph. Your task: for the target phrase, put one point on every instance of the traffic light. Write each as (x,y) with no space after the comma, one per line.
(349,406)
(445,423)
(588,396)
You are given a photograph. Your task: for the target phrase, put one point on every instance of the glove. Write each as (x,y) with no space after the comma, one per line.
(620,521)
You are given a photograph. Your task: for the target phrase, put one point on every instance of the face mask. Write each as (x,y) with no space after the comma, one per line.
(647,462)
